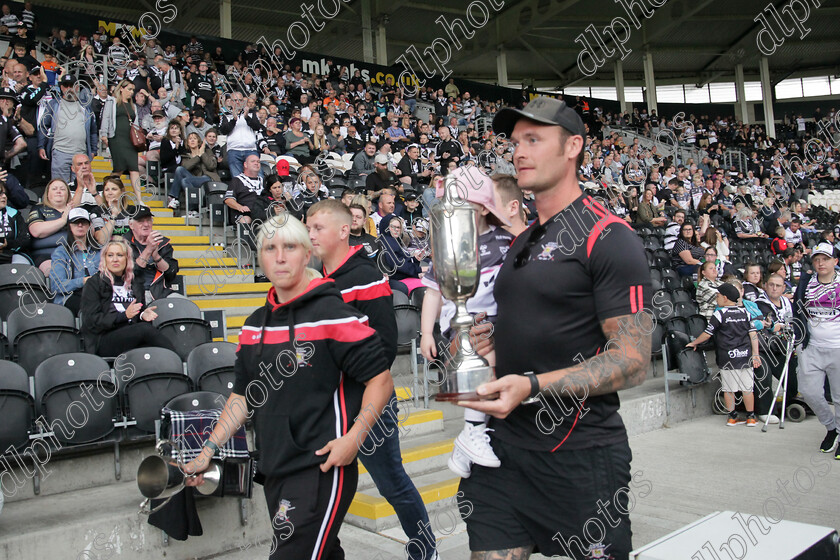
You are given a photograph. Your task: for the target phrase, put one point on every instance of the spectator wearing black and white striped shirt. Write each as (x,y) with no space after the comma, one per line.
(195,49)
(28,18)
(10,20)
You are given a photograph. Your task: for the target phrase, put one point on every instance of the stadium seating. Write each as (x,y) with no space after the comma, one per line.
(157,375)
(210,367)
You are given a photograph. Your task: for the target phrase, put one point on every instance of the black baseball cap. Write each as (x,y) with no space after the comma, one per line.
(143,212)
(67,80)
(730,292)
(8,93)
(544,110)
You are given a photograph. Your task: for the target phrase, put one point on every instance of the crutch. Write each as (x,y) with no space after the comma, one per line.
(783,381)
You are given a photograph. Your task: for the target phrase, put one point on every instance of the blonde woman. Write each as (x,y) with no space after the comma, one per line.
(116,318)
(319,139)
(349,352)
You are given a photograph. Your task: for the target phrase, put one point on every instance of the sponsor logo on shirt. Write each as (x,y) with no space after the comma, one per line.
(735,353)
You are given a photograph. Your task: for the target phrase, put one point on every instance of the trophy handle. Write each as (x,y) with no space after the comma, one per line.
(146,509)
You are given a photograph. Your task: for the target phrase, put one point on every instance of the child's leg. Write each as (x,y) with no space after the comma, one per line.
(748,400)
(729,401)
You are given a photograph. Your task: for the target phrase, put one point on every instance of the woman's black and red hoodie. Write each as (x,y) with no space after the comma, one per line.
(293,366)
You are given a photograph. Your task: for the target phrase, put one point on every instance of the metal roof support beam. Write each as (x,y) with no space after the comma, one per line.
(619,84)
(767,97)
(501,67)
(741,106)
(225,27)
(650,83)
(367,32)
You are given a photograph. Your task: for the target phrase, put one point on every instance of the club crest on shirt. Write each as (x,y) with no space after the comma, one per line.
(283,510)
(548,251)
(598,550)
(301,356)
(483,251)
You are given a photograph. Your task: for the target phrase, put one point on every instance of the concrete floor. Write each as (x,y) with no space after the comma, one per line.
(695,468)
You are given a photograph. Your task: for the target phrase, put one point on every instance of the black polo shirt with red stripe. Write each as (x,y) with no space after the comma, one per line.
(587,266)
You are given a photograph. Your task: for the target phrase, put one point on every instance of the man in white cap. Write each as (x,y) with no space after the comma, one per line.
(817,309)
(381,177)
(570,333)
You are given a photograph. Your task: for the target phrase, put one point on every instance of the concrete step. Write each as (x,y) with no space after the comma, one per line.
(99,522)
(231,293)
(234,305)
(417,458)
(198,252)
(208,262)
(372,512)
(162,221)
(182,239)
(234,289)
(198,276)
(70,474)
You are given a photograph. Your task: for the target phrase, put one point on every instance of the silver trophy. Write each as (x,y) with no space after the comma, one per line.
(454,240)
(159,479)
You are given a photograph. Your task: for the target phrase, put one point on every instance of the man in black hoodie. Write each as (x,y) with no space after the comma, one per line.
(363,286)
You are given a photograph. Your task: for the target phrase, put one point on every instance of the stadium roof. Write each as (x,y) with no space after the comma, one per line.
(695,41)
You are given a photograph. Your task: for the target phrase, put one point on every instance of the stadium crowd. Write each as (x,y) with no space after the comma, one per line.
(281,141)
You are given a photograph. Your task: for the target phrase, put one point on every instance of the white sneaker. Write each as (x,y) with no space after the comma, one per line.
(173,203)
(475,444)
(193,214)
(773,418)
(459,463)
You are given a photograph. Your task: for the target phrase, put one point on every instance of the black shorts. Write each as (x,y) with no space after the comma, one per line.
(307,509)
(570,503)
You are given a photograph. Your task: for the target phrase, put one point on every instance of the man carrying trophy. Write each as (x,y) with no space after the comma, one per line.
(571,331)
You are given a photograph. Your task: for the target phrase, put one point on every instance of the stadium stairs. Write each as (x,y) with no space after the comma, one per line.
(83,511)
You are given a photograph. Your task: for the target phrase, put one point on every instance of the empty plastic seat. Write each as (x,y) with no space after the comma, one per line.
(671,283)
(22,286)
(685,309)
(49,332)
(677,324)
(76,395)
(156,376)
(687,360)
(663,306)
(197,400)
(17,405)
(181,321)
(17,275)
(210,367)
(679,295)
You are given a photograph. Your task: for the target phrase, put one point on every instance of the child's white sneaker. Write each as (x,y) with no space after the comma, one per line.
(474,442)
(459,463)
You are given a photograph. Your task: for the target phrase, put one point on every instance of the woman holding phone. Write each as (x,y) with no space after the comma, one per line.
(115,317)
